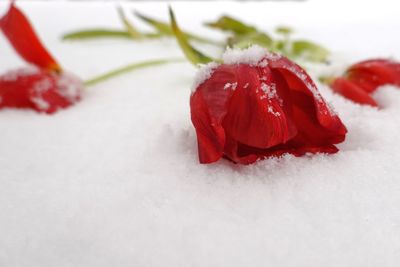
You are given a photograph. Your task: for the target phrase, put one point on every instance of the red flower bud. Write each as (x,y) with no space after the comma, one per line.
(258,105)
(44,88)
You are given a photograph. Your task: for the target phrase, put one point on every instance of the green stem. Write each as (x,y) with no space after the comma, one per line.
(95,33)
(326,79)
(128,68)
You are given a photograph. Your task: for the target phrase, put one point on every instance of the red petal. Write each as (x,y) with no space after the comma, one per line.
(208,106)
(243,154)
(373,73)
(210,134)
(23,38)
(256,114)
(316,123)
(39,90)
(352,91)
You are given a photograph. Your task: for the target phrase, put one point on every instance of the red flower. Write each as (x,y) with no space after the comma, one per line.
(45,87)
(363,78)
(247,111)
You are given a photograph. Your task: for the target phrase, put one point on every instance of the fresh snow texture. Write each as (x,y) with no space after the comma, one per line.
(254,56)
(115,180)
(251,56)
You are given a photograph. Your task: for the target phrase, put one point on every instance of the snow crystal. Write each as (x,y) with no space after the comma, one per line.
(42,85)
(264,63)
(253,56)
(231,86)
(272,57)
(69,86)
(40,102)
(275,113)
(203,74)
(269,90)
(12,75)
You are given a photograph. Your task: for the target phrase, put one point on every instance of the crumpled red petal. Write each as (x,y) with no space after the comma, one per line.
(317,123)
(371,74)
(352,91)
(256,115)
(23,38)
(208,106)
(39,90)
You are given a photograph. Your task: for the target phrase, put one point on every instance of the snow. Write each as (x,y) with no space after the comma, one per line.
(203,74)
(253,56)
(230,86)
(269,90)
(12,75)
(115,181)
(69,86)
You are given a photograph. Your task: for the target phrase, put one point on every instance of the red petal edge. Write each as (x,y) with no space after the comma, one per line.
(352,91)
(23,38)
(370,74)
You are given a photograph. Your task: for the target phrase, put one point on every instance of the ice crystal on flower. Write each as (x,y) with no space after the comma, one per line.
(13,75)
(263,63)
(42,85)
(69,86)
(204,74)
(275,113)
(40,102)
(230,85)
(251,56)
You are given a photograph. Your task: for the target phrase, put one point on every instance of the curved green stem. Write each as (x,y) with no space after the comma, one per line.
(128,68)
(95,33)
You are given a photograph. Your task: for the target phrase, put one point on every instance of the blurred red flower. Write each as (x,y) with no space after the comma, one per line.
(363,78)
(44,87)
(246,112)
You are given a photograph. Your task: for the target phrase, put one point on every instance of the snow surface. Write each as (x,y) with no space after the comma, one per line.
(114,181)
(203,74)
(252,56)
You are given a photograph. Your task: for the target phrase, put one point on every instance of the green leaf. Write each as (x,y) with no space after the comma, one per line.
(95,33)
(161,27)
(279,46)
(230,24)
(193,55)
(309,51)
(135,34)
(284,30)
(128,68)
(253,38)
(165,29)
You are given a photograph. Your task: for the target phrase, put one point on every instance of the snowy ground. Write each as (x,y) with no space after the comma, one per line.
(114,180)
